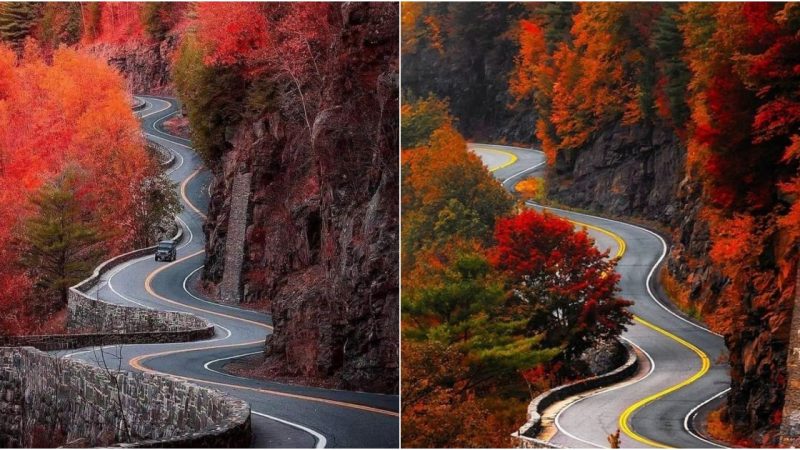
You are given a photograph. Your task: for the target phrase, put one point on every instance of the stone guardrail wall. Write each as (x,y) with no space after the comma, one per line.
(165,155)
(47,401)
(138,104)
(525,437)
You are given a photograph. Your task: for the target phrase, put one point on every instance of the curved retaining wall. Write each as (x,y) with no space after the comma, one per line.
(525,437)
(90,315)
(47,401)
(94,322)
(138,104)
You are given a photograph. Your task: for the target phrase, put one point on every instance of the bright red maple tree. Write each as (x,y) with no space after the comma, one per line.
(564,284)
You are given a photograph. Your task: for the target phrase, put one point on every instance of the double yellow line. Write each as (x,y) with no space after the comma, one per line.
(624,418)
(705,362)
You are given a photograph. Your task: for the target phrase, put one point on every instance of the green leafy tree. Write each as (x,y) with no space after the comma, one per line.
(62,241)
(17,20)
(212,97)
(459,301)
(421,118)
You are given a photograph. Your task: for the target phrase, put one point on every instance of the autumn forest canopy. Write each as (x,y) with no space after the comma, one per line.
(719,79)
(482,281)
(76,177)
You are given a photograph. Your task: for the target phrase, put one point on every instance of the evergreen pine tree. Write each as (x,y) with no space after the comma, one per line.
(667,41)
(61,240)
(17,19)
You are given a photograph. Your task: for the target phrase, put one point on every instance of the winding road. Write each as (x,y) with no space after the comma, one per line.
(681,375)
(283,415)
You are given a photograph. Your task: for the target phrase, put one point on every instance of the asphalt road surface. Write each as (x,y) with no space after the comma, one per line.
(284,415)
(681,369)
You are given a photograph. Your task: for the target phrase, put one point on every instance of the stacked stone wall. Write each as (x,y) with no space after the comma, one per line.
(48,401)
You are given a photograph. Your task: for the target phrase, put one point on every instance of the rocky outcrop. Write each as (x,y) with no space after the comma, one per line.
(145,65)
(321,236)
(627,170)
(468,63)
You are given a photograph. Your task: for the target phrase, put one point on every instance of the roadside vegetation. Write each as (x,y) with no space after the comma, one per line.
(483,279)
(78,184)
(720,79)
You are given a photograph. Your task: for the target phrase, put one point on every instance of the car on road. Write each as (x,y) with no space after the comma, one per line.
(166,251)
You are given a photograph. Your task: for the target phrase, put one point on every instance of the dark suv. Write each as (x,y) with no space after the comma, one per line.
(166,251)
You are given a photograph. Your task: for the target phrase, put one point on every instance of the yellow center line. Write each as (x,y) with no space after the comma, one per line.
(512,157)
(185,198)
(137,364)
(624,418)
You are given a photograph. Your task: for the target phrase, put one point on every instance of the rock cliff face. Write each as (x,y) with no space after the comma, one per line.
(145,66)
(468,64)
(321,234)
(639,171)
(625,170)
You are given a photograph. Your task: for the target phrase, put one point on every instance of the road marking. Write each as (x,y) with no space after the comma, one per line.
(148,287)
(185,227)
(609,389)
(205,366)
(621,246)
(137,363)
(512,157)
(705,363)
(185,198)
(694,410)
(321,441)
(186,289)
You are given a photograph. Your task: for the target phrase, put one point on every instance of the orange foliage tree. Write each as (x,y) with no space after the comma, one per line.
(447,192)
(72,112)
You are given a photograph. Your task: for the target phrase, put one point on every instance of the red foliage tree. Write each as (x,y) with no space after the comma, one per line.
(565,284)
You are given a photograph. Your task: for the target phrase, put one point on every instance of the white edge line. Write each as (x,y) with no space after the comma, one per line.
(609,389)
(321,441)
(692,413)
(649,291)
(529,169)
(205,366)
(186,289)
(663,244)
(186,227)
